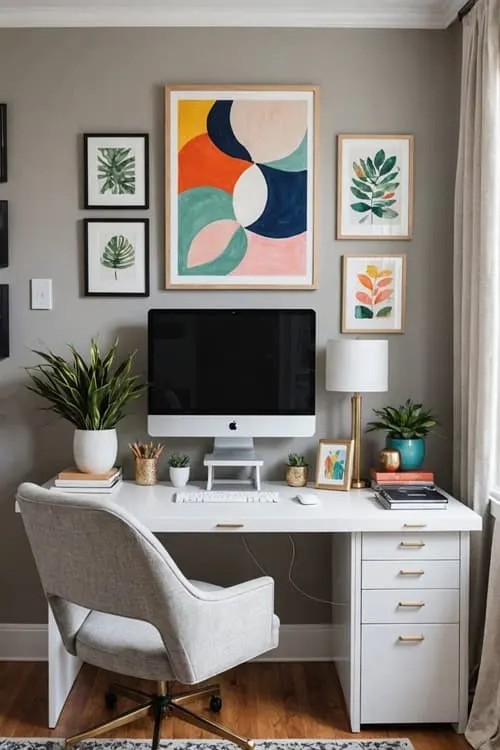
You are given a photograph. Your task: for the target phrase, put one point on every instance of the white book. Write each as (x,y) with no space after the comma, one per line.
(104,483)
(85,490)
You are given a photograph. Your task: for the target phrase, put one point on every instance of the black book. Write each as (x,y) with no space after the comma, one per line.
(412,494)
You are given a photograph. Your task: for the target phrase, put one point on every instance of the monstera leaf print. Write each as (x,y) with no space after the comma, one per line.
(376,294)
(116,171)
(375,184)
(118,254)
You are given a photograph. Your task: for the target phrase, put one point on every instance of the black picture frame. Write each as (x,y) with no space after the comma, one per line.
(4,321)
(98,238)
(4,234)
(3,143)
(93,161)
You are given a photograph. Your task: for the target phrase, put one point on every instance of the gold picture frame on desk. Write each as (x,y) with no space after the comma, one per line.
(334,464)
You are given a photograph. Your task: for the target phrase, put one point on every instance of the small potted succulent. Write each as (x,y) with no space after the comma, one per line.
(178,464)
(297,470)
(407,426)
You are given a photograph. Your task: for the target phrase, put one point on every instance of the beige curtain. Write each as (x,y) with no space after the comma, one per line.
(477,337)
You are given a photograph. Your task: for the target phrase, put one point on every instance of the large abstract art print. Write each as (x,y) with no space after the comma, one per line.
(240,187)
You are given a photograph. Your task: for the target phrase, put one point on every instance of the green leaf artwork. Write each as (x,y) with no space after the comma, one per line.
(116,171)
(118,254)
(375,186)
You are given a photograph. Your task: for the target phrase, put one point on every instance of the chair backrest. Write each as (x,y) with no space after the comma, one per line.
(91,553)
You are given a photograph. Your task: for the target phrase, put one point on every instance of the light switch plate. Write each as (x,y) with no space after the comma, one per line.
(41,294)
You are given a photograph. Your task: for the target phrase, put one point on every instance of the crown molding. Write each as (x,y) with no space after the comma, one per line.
(97,16)
(450,11)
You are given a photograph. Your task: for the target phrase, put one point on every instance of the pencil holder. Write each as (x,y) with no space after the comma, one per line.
(146,471)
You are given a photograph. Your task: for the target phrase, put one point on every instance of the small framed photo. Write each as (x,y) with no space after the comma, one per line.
(4,234)
(4,321)
(116,170)
(3,143)
(116,257)
(375,187)
(334,464)
(373,293)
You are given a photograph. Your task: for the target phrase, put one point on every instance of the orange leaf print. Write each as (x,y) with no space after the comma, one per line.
(384,282)
(381,296)
(365,280)
(389,195)
(364,298)
(372,271)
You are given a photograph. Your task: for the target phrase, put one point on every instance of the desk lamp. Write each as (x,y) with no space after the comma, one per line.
(357,366)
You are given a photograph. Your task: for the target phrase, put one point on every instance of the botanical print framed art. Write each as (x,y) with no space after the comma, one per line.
(373,293)
(4,234)
(116,257)
(240,187)
(375,187)
(116,170)
(3,143)
(334,464)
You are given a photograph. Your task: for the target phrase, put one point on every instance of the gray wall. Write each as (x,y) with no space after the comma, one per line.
(61,83)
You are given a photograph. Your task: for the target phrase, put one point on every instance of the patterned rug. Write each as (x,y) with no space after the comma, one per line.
(21,743)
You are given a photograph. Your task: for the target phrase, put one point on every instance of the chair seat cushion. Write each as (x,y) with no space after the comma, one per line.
(124,645)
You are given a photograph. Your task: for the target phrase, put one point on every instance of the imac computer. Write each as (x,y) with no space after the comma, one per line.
(232,375)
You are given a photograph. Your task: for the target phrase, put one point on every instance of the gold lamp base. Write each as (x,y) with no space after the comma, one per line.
(356,483)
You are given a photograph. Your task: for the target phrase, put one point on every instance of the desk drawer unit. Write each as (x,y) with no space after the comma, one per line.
(410,627)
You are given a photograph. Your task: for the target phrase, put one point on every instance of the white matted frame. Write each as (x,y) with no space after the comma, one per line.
(334,464)
(375,187)
(240,176)
(373,293)
(116,170)
(116,257)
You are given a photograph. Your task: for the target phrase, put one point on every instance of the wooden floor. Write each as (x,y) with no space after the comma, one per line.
(264,700)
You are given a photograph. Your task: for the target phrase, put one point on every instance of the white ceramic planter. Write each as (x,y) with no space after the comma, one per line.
(179,475)
(95,451)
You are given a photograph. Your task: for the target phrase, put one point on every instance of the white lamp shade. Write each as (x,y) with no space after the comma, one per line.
(357,365)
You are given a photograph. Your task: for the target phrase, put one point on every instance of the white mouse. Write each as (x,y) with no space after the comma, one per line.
(308,498)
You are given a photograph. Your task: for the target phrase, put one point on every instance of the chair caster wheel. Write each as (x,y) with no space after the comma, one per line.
(215,704)
(110,699)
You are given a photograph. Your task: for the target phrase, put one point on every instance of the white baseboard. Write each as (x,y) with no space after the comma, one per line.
(20,642)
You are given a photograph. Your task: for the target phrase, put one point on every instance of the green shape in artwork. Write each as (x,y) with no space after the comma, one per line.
(227,261)
(361,312)
(294,162)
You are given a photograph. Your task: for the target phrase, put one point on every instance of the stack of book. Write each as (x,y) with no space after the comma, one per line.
(396,478)
(72,480)
(411,497)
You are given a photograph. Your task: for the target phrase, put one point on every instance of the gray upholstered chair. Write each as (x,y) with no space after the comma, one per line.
(121,603)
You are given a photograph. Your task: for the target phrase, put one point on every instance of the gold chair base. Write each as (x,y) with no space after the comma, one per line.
(161,705)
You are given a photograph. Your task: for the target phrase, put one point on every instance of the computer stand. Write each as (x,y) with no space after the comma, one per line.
(233,453)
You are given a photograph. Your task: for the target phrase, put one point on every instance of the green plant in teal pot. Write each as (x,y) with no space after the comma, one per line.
(406,426)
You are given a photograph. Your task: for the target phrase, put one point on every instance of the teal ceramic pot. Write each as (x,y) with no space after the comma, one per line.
(412,452)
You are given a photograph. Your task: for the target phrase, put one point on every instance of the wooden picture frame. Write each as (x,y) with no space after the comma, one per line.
(334,464)
(241,187)
(375,187)
(373,294)
(116,257)
(116,170)
(3,143)
(4,234)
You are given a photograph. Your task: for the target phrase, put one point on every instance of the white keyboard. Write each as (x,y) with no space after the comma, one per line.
(227,496)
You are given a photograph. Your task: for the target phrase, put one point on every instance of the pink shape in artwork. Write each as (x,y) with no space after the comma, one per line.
(211,241)
(271,257)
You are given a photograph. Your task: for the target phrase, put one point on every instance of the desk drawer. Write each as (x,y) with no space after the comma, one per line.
(410,574)
(403,606)
(410,546)
(409,673)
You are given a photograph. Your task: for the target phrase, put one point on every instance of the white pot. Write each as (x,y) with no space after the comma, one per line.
(179,475)
(95,451)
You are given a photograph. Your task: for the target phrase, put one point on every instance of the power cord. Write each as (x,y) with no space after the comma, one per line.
(290,572)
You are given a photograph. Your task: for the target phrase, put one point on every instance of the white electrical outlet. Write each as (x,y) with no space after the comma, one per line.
(41,294)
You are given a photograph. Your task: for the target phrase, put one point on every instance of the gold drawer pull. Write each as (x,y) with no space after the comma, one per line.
(411,572)
(412,544)
(411,638)
(229,525)
(414,525)
(411,604)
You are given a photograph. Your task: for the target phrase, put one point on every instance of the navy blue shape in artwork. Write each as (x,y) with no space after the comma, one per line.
(285,213)
(221,133)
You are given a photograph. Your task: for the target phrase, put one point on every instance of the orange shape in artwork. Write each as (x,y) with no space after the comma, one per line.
(201,164)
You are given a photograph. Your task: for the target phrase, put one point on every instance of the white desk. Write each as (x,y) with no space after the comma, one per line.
(402,635)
